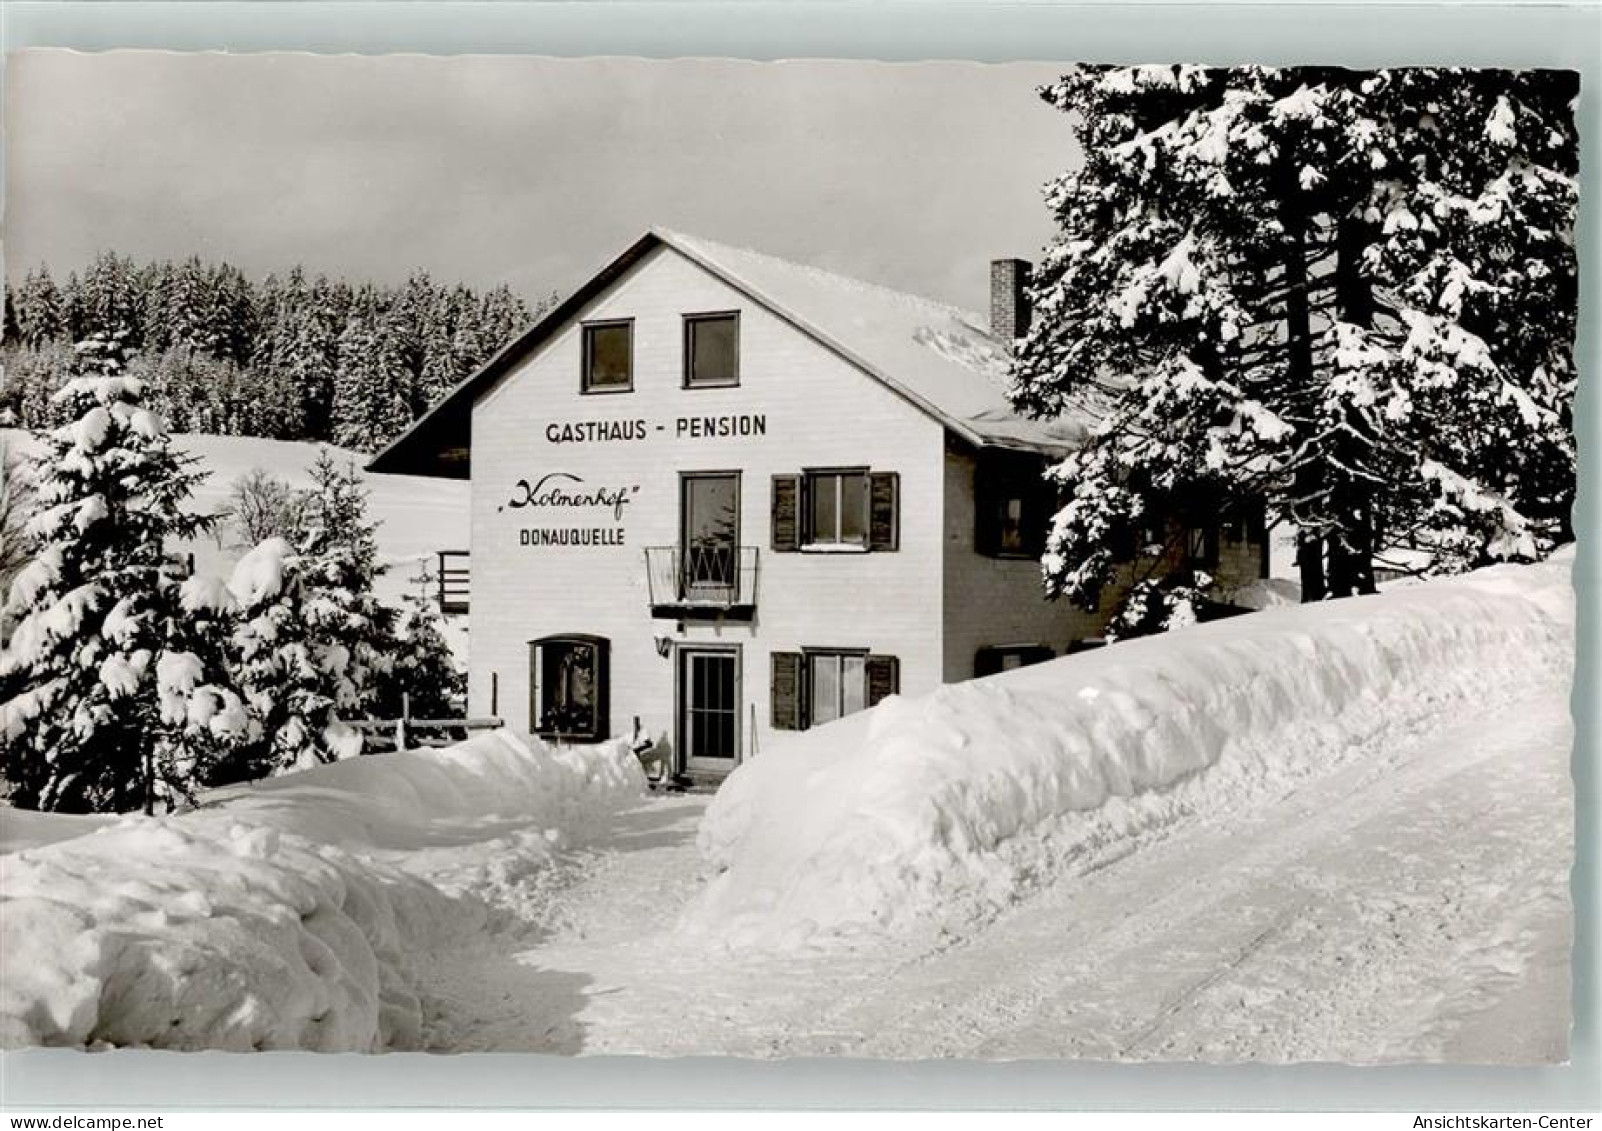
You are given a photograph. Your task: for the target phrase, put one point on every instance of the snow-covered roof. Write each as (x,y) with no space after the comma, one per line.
(941,359)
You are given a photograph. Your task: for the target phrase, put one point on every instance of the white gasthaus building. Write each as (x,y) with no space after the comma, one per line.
(728,496)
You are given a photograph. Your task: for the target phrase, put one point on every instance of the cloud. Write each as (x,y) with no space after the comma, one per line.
(525,170)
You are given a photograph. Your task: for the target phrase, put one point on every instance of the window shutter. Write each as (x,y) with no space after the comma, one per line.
(986,509)
(1257,531)
(884,677)
(536,665)
(884,507)
(786,512)
(603,690)
(1040,512)
(1256,521)
(786,690)
(1210,546)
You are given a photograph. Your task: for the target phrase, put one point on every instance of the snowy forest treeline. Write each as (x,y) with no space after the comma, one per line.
(291,357)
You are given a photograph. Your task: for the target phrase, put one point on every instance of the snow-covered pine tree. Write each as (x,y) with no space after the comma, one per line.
(338,549)
(39,314)
(158,281)
(407,325)
(32,378)
(497,317)
(424,669)
(10,328)
(437,373)
(116,702)
(313,641)
(16,544)
(315,357)
(232,303)
(189,313)
(371,387)
(107,304)
(1315,287)
(1156,605)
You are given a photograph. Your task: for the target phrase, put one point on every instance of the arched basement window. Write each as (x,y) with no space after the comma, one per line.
(569,679)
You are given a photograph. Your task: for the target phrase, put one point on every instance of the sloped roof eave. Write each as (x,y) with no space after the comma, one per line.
(400,456)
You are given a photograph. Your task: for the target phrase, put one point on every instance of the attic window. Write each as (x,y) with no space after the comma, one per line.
(609,356)
(711,350)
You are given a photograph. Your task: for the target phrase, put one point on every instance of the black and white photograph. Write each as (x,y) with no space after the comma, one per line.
(1064,560)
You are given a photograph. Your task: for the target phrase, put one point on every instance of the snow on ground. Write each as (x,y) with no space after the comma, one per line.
(1352,842)
(1398,891)
(1411,905)
(417,516)
(931,813)
(299,912)
(22,828)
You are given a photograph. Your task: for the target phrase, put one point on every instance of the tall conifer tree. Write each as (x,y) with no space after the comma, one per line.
(115,704)
(1316,287)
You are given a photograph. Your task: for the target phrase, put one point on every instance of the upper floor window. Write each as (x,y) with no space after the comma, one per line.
(837,508)
(1013,506)
(1012,536)
(1201,547)
(711,350)
(609,356)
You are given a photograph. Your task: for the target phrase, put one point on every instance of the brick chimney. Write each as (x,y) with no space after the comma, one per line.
(1009,298)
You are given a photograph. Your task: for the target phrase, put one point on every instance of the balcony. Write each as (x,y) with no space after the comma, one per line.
(716,581)
(454,580)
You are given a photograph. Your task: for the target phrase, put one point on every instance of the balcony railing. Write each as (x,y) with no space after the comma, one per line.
(714,580)
(454,581)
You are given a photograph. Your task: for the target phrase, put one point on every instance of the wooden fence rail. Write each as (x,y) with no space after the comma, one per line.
(385,736)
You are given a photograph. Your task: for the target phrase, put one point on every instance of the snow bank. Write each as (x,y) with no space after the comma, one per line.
(278,915)
(931,813)
(23,828)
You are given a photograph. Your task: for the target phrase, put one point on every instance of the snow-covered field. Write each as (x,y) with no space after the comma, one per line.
(417,516)
(1333,832)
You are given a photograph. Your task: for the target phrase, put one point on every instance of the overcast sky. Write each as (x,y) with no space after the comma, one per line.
(526,171)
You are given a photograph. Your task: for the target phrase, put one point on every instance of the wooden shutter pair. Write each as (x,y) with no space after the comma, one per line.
(788,686)
(884,511)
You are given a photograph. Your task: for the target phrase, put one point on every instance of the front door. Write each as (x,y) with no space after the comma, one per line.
(709,707)
(709,536)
